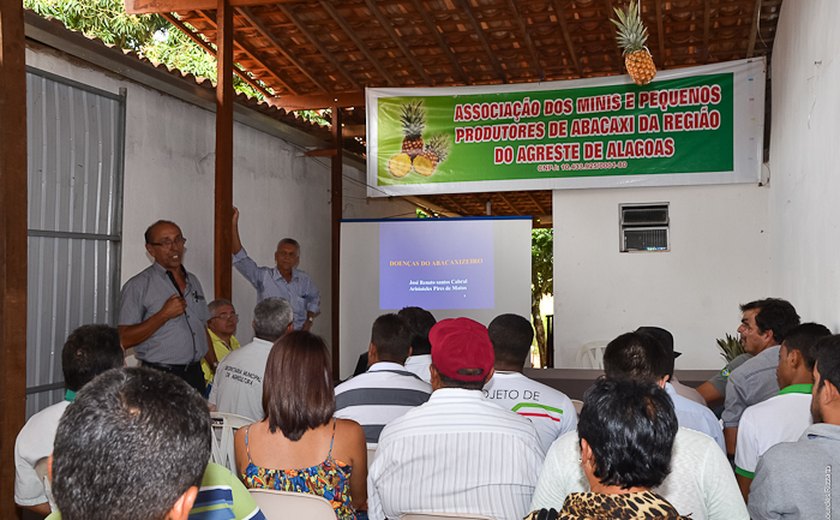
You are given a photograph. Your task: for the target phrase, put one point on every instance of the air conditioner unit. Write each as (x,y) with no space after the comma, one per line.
(644,227)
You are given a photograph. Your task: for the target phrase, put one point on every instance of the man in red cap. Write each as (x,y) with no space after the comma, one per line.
(459,452)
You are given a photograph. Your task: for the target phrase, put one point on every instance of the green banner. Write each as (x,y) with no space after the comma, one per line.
(682,125)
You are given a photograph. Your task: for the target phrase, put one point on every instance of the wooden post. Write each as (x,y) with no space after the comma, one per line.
(337,203)
(13,244)
(223,206)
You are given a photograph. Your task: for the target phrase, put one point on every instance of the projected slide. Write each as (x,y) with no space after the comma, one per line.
(452,270)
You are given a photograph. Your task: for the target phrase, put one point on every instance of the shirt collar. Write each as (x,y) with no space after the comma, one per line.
(385,365)
(801,388)
(69,395)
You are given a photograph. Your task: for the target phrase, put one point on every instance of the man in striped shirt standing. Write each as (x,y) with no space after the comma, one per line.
(459,452)
(387,390)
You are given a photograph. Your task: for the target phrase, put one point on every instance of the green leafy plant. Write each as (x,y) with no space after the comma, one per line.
(542,282)
(730,347)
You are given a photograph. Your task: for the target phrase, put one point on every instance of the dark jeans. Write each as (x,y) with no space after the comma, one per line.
(191,373)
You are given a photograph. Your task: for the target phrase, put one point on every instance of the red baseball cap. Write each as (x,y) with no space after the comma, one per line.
(460,344)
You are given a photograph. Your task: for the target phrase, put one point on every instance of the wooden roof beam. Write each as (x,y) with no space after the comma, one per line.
(660,29)
(465,6)
(444,46)
(561,20)
(358,41)
(528,41)
(707,22)
(510,204)
(397,41)
(619,62)
(171,6)
(321,49)
(536,202)
(449,201)
(207,47)
(324,100)
(249,17)
(252,55)
(754,28)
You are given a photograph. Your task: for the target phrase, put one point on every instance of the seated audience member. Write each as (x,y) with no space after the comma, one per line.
(641,357)
(238,385)
(667,341)
(133,446)
(386,391)
(299,446)
(88,351)
(764,325)
(798,479)
(550,410)
(459,452)
(627,431)
(419,322)
(701,482)
(221,327)
(760,427)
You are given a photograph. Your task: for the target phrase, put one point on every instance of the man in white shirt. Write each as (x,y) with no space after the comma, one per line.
(784,417)
(459,452)
(551,411)
(237,387)
(419,322)
(386,391)
(639,356)
(88,351)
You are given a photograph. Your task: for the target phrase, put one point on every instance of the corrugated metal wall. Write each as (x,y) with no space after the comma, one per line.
(75,137)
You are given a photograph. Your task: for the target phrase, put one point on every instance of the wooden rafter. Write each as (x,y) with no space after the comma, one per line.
(453,204)
(209,48)
(561,20)
(260,27)
(252,55)
(350,33)
(754,28)
(707,22)
(536,202)
(490,55)
(172,6)
(617,54)
(660,29)
(324,52)
(456,66)
(523,30)
(397,41)
(325,100)
(511,205)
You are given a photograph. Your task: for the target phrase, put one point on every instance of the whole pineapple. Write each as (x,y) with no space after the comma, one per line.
(413,119)
(632,35)
(433,154)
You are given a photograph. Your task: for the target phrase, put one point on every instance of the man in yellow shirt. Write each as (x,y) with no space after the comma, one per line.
(221,327)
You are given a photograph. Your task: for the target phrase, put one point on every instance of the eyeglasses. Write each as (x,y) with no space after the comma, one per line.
(226,316)
(168,243)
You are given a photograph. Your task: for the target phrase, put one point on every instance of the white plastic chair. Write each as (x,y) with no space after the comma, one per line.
(42,471)
(578,404)
(442,516)
(224,425)
(280,505)
(591,355)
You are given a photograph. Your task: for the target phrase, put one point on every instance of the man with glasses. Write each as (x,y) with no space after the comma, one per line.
(221,327)
(163,312)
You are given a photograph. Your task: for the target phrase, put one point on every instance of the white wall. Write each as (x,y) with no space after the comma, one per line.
(804,158)
(169,174)
(719,258)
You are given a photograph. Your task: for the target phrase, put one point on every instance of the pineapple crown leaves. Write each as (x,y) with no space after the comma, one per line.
(632,33)
(413,118)
(439,145)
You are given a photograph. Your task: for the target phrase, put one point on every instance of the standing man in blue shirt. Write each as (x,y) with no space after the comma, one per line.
(163,311)
(283,281)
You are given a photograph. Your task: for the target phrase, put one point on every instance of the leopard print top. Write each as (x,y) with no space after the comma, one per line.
(645,505)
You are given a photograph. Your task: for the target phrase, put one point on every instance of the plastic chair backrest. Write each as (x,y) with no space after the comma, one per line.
(591,355)
(442,516)
(279,505)
(578,404)
(43,474)
(224,425)
(371,451)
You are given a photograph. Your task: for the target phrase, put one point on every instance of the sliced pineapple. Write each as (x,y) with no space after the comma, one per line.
(399,165)
(631,36)
(434,153)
